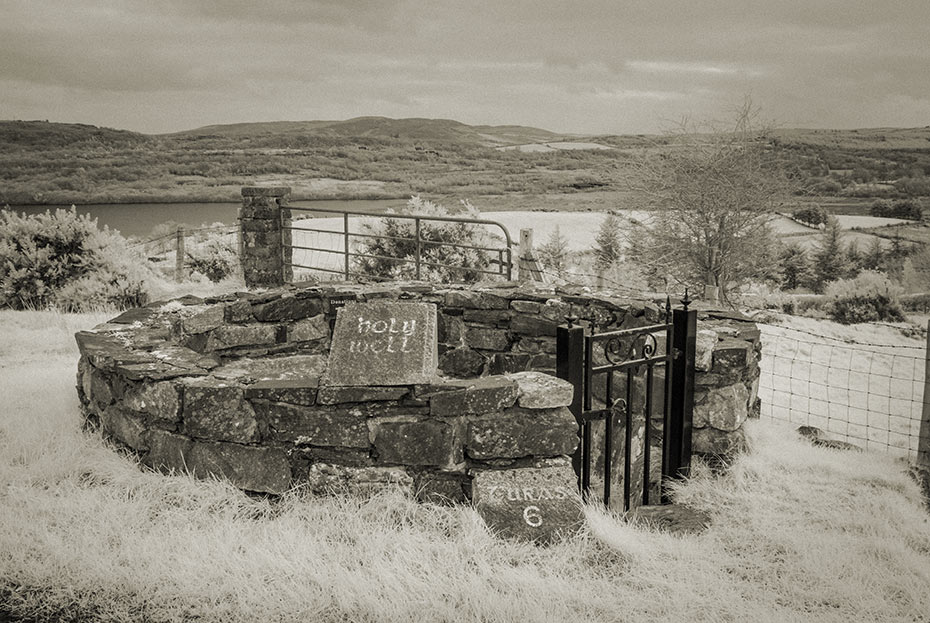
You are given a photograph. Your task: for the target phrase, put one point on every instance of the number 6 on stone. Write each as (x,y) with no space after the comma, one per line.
(532,517)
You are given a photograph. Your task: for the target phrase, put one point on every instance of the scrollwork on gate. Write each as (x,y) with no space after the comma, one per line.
(642,346)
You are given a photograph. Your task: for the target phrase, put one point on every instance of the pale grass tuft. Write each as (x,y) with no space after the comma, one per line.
(798,534)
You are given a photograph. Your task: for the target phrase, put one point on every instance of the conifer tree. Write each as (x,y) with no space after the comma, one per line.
(829,259)
(607,246)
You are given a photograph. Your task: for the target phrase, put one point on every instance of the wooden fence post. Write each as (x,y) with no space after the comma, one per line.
(528,266)
(179,272)
(923,441)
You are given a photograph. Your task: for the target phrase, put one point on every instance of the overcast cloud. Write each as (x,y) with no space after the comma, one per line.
(589,66)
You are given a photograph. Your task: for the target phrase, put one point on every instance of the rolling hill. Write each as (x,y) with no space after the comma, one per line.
(384,128)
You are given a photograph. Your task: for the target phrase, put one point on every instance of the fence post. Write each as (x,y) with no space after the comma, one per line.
(528,266)
(570,365)
(676,447)
(265,236)
(179,272)
(923,441)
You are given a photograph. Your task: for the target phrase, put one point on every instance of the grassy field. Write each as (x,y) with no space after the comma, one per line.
(798,534)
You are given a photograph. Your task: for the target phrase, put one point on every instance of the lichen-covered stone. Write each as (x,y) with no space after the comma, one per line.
(450,329)
(159,400)
(724,408)
(732,356)
(234,336)
(218,411)
(704,343)
(100,391)
(239,312)
(519,432)
(488,317)
(528,504)
(533,325)
(120,424)
(413,441)
(337,395)
(487,339)
(203,320)
(288,307)
(537,390)
(474,300)
(526,307)
(292,391)
(260,469)
(307,368)
(506,363)
(718,442)
(535,345)
(462,363)
(474,396)
(308,330)
(328,478)
(317,425)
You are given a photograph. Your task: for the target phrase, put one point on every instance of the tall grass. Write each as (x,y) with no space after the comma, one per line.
(798,534)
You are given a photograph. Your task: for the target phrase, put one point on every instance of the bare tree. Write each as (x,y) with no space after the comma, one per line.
(712,193)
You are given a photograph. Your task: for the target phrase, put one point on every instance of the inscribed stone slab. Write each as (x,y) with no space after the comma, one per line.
(531,504)
(383,343)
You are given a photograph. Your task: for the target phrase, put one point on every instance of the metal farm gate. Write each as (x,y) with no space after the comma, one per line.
(634,389)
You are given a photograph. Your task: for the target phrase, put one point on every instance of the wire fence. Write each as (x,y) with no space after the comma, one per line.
(871,395)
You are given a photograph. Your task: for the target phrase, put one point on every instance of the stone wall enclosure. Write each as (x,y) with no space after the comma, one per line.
(235,386)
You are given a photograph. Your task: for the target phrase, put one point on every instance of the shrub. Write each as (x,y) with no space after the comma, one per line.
(813,215)
(916,302)
(63,260)
(902,208)
(393,252)
(870,297)
(214,255)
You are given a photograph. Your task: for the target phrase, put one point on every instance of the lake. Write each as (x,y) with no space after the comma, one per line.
(138,219)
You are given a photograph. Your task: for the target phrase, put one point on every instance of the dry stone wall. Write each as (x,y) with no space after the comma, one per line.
(236,386)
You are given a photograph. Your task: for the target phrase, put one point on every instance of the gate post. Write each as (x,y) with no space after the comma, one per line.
(677,438)
(570,365)
(265,236)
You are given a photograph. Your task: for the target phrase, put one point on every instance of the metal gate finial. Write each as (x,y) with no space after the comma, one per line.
(686,300)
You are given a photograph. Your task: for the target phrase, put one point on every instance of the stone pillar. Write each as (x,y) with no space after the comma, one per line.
(264,241)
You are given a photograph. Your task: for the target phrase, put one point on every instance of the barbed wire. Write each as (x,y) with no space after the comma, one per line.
(229,229)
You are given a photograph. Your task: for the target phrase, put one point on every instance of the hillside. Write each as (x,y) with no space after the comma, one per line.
(39,135)
(383,128)
(378,157)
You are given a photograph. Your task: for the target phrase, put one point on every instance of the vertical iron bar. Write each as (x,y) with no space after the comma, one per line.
(345,229)
(586,427)
(416,222)
(628,439)
(647,438)
(667,400)
(509,264)
(570,366)
(679,433)
(608,437)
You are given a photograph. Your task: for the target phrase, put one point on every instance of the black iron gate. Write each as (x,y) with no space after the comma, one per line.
(655,364)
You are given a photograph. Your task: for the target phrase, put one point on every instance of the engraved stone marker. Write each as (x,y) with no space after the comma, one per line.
(383,343)
(532,504)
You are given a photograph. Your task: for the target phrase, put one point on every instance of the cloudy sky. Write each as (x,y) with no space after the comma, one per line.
(585,66)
